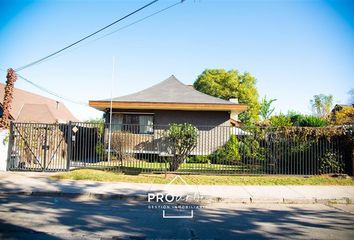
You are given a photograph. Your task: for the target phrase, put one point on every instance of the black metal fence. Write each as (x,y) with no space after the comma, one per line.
(216,150)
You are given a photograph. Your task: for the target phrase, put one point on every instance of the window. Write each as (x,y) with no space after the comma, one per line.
(146,123)
(134,123)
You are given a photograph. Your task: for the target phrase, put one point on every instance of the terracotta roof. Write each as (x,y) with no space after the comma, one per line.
(30,107)
(169,93)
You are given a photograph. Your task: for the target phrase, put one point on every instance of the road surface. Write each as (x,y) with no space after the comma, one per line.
(29,217)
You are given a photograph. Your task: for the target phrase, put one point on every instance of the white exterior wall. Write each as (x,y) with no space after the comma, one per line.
(3,149)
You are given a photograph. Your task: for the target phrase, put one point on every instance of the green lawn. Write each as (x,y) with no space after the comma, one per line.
(139,165)
(108,176)
(161,166)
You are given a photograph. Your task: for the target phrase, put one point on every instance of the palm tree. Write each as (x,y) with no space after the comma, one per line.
(351,96)
(8,96)
(266,108)
(322,104)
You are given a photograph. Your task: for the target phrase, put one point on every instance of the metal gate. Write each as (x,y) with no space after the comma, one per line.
(218,150)
(38,147)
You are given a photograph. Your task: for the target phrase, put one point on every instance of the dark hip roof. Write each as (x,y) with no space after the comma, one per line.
(170,90)
(169,94)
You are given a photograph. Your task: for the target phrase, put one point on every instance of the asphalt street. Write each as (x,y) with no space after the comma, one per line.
(29,217)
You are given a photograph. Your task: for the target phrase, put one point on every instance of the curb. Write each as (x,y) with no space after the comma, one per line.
(207,200)
(77,195)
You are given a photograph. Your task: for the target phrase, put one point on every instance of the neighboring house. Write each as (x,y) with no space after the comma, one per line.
(30,107)
(339,107)
(170,101)
(343,114)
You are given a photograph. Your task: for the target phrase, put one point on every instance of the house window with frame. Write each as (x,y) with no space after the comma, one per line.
(134,123)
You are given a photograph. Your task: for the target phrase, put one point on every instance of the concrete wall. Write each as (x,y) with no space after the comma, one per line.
(3,149)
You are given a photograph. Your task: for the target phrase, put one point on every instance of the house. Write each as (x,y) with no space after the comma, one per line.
(339,107)
(343,114)
(149,111)
(30,107)
(169,101)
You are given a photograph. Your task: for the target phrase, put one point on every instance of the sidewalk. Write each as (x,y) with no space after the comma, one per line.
(34,183)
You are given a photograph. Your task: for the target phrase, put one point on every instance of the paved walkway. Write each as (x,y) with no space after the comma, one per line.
(30,183)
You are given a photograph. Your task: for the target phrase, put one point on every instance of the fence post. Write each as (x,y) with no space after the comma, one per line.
(5,148)
(11,142)
(45,147)
(352,157)
(68,151)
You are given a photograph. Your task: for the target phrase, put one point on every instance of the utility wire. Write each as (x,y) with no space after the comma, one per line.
(71,45)
(139,20)
(48,91)
(106,35)
(82,39)
(117,30)
(128,25)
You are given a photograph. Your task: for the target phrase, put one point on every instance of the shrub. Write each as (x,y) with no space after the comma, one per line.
(182,140)
(121,143)
(298,120)
(198,159)
(295,118)
(344,116)
(312,121)
(329,163)
(100,150)
(227,153)
(280,121)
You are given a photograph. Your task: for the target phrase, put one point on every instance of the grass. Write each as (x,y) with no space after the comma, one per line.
(184,167)
(108,176)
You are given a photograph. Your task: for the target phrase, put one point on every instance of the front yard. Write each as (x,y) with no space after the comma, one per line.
(134,165)
(108,176)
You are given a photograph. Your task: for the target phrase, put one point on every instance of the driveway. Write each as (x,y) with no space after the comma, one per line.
(35,217)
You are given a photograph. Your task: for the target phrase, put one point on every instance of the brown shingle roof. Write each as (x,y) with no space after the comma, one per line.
(171,90)
(30,107)
(170,94)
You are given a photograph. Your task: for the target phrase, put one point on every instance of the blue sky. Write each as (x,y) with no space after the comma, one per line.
(295,49)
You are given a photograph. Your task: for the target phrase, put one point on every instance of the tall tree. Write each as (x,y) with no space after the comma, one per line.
(351,96)
(8,96)
(321,104)
(266,108)
(231,84)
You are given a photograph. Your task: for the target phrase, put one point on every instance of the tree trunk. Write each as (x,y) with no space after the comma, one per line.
(352,144)
(8,96)
(176,161)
